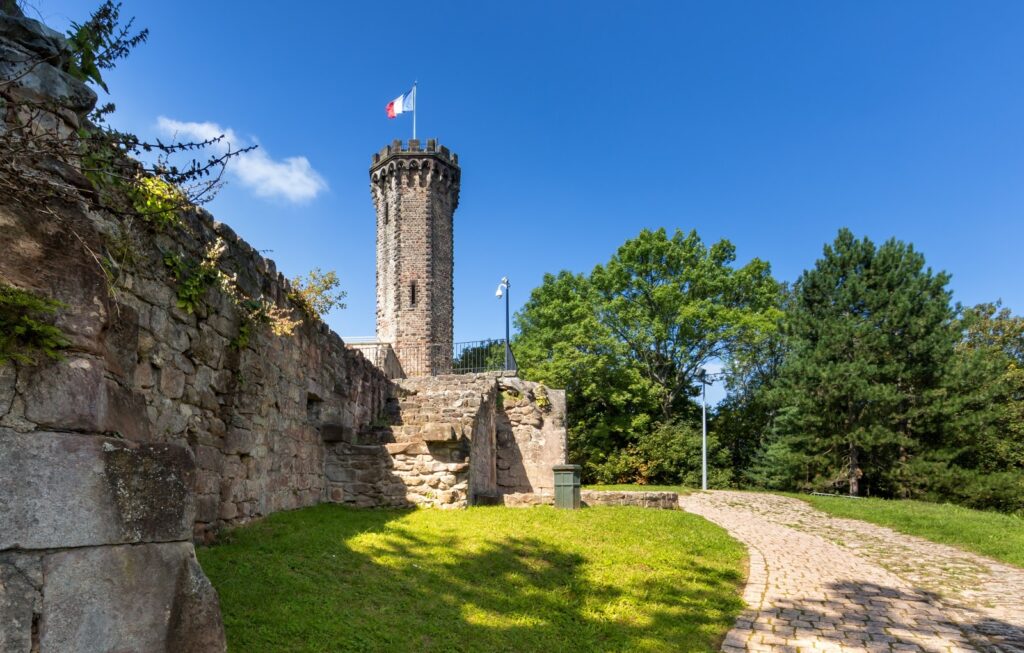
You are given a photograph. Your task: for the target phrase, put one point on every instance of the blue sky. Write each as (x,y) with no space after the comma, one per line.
(772,124)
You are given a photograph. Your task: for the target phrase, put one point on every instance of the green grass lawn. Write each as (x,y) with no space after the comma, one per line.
(329,578)
(988,533)
(641,488)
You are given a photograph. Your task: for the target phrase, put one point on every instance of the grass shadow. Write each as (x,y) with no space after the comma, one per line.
(486,579)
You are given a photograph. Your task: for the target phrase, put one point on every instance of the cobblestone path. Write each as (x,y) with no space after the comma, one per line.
(821,583)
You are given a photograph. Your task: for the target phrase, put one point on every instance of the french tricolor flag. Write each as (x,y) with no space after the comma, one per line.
(402,103)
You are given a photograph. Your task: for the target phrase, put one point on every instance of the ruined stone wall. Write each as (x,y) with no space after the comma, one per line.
(145,370)
(531,437)
(169,418)
(452,441)
(96,496)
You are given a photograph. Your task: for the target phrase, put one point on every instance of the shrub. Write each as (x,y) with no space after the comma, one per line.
(317,293)
(25,334)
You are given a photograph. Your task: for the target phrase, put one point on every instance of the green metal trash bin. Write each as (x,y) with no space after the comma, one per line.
(567,486)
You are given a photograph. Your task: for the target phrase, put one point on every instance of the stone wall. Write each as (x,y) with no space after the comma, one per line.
(452,441)
(96,499)
(531,437)
(167,420)
(663,500)
(254,415)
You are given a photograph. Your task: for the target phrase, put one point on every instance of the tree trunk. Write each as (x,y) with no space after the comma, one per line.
(854,472)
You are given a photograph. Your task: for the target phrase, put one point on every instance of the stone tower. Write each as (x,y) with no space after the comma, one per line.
(415,192)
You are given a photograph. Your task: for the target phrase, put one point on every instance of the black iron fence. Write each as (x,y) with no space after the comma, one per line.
(434,359)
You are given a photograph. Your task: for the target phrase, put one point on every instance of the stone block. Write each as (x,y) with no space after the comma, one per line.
(125,413)
(8,376)
(337,432)
(121,342)
(70,395)
(172,382)
(437,432)
(239,441)
(21,581)
(207,507)
(76,490)
(209,458)
(152,597)
(407,448)
(228,510)
(338,473)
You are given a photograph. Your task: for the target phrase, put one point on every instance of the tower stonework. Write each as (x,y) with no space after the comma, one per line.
(415,192)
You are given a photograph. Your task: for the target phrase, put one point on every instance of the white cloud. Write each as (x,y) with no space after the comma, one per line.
(293,178)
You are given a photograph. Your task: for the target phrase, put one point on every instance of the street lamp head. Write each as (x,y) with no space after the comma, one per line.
(499,292)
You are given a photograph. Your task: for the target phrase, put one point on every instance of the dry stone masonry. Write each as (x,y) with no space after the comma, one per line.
(167,421)
(452,441)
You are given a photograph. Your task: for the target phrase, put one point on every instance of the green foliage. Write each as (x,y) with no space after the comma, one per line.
(490,355)
(317,293)
(869,333)
(486,579)
(861,377)
(628,340)
(985,391)
(99,42)
(26,335)
(540,397)
(633,487)
(676,305)
(193,279)
(243,337)
(157,201)
(669,454)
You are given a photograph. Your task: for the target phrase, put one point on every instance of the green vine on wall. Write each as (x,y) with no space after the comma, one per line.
(26,336)
(193,278)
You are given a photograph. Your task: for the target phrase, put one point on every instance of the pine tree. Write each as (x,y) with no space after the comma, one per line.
(869,332)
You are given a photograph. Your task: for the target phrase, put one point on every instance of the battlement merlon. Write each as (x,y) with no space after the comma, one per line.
(414,148)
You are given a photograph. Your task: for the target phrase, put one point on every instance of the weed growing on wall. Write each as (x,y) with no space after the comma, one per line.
(317,293)
(26,335)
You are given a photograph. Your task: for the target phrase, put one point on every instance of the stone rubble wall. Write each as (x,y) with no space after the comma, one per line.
(165,423)
(160,425)
(453,441)
(444,439)
(96,511)
(531,436)
(662,500)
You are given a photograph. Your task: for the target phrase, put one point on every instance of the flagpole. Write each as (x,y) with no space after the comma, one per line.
(415,101)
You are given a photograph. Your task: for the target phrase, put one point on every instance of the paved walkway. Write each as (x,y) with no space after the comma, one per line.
(820,583)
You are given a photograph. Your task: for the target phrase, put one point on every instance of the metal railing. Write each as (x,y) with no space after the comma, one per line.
(405,360)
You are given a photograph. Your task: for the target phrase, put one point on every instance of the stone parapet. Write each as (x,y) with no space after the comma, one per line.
(414,148)
(662,500)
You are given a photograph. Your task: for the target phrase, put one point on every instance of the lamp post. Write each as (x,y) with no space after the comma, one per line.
(503,290)
(702,376)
